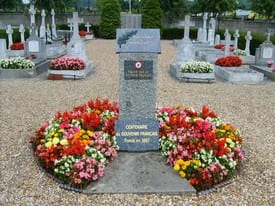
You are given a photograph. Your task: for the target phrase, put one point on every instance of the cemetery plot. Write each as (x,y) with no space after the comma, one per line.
(239,74)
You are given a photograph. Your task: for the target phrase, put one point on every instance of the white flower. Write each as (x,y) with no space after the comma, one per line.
(197,67)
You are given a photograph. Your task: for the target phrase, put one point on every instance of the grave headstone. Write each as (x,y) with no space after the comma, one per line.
(137,127)
(48,34)
(204,29)
(129,20)
(266,52)
(22,32)
(32,12)
(217,39)
(248,38)
(199,35)
(54,34)
(211,31)
(227,42)
(236,37)
(34,46)
(9,31)
(3,49)
(76,46)
(42,31)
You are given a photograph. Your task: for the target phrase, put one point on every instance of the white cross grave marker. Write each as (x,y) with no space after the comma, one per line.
(88,25)
(54,34)
(186,28)
(70,23)
(9,31)
(22,33)
(76,20)
(248,38)
(227,42)
(42,27)
(236,37)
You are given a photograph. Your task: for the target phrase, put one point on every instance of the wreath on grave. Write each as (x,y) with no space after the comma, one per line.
(75,146)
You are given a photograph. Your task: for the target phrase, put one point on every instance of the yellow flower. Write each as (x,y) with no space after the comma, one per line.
(90,133)
(48,144)
(176,167)
(64,142)
(183,167)
(55,140)
(228,140)
(180,162)
(182,174)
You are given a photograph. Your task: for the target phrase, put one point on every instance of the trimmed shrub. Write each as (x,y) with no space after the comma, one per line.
(152,15)
(109,19)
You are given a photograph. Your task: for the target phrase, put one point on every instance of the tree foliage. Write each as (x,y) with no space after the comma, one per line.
(57,5)
(109,19)
(11,5)
(264,7)
(152,14)
(174,8)
(217,7)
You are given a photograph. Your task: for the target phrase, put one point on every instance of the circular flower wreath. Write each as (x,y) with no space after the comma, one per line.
(76,146)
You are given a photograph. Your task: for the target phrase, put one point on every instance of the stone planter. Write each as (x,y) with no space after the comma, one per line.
(239,74)
(15,53)
(70,74)
(40,67)
(191,77)
(267,71)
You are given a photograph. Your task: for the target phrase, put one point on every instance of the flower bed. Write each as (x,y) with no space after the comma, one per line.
(16,63)
(17,46)
(197,67)
(67,63)
(76,146)
(229,61)
(239,52)
(200,146)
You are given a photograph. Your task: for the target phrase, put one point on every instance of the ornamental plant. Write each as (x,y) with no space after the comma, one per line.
(82,33)
(76,146)
(229,61)
(16,63)
(239,52)
(67,63)
(17,46)
(197,67)
(200,146)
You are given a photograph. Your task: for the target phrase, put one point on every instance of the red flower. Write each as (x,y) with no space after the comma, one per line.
(91,121)
(82,33)
(17,46)
(229,61)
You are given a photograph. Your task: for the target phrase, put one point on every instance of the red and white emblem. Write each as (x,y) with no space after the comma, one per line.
(138,65)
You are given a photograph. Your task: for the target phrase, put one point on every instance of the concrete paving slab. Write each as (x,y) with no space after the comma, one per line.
(140,173)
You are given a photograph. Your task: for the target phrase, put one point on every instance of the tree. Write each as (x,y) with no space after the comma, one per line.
(57,5)
(217,7)
(174,8)
(10,5)
(264,7)
(152,14)
(109,19)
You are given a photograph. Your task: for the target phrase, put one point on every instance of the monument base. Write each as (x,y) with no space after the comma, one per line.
(140,173)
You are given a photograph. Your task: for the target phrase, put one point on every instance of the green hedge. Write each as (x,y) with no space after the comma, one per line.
(257,38)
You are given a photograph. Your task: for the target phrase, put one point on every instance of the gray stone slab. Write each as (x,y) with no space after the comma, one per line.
(267,71)
(40,67)
(140,173)
(239,74)
(191,77)
(138,41)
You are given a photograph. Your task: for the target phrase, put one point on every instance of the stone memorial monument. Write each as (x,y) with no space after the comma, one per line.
(236,37)
(130,20)
(211,31)
(137,127)
(248,38)
(204,30)
(227,36)
(54,34)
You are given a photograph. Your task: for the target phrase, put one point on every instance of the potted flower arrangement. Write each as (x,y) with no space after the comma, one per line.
(200,146)
(75,146)
(222,47)
(82,33)
(197,71)
(239,52)
(16,63)
(16,49)
(67,67)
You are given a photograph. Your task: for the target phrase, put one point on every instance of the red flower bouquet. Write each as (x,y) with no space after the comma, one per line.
(67,63)
(229,61)
(82,33)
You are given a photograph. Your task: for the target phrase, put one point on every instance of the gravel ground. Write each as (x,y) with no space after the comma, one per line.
(26,104)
